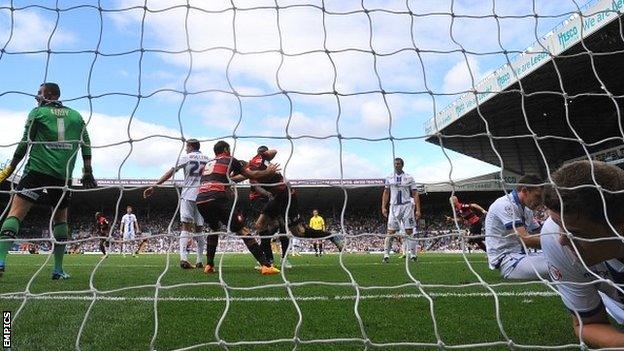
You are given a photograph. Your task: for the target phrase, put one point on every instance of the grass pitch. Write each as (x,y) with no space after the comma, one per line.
(254,308)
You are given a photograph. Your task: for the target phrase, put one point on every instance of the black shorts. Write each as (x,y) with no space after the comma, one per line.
(475,229)
(38,180)
(276,207)
(256,206)
(475,233)
(216,211)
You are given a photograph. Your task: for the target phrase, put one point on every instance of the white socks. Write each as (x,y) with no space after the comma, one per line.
(412,246)
(201,245)
(184,239)
(388,245)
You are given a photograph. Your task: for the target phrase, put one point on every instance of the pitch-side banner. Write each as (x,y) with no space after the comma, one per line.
(596,14)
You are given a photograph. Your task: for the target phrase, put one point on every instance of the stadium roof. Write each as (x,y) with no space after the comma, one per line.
(524,103)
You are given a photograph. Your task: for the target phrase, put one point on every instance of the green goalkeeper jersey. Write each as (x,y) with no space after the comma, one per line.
(56,132)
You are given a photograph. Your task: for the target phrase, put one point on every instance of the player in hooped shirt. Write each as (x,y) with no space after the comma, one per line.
(193,164)
(259,197)
(275,209)
(466,212)
(101,230)
(215,203)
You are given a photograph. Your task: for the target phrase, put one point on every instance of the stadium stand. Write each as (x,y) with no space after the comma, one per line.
(367,227)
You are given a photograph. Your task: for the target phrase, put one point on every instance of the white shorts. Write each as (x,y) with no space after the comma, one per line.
(613,307)
(128,235)
(523,266)
(295,243)
(189,213)
(401,216)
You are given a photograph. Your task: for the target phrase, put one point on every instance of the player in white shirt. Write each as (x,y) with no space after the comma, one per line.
(508,227)
(129,227)
(400,203)
(193,164)
(589,300)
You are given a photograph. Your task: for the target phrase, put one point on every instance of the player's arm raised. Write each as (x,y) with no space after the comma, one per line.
(30,129)
(150,190)
(478,208)
(166,176)
(271,169)
(237,177)
(597,331)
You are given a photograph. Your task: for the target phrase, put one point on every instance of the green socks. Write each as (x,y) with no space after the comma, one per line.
(61,232)
(9,230)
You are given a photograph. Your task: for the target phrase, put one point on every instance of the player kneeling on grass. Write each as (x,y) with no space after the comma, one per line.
(591,294)
(57,131)
(508,227)
(215,204)
(193,164)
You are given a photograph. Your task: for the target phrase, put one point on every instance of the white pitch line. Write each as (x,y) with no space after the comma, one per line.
(524,294)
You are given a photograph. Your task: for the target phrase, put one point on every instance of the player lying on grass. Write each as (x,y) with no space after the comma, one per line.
(509,226)
(57,132)
(588,274)
(466,212)
(193,164)
(274,211)
(215,203)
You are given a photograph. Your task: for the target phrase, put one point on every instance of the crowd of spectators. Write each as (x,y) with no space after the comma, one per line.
(363,231)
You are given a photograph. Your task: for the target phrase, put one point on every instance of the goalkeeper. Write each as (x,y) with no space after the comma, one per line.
(55,132)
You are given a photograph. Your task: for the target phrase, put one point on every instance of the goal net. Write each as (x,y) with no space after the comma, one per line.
(471,96)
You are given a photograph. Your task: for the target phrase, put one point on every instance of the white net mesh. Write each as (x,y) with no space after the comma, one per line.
(326,83)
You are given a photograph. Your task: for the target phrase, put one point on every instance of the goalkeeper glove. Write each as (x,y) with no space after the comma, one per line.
(88,181)
(5,173)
